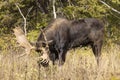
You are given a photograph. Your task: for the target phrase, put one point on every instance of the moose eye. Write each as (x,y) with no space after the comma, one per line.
(43,45)
(38,50)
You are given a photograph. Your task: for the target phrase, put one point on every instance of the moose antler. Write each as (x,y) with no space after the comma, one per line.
(22,40)
(44,37)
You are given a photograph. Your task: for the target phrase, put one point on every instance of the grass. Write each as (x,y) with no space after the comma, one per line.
(80,65)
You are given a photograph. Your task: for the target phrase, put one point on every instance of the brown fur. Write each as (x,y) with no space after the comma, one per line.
(67,34)
(56,23)
(52,27)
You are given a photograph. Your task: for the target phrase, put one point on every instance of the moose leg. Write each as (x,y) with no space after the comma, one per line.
(97,51)
(52,58)
(60,57)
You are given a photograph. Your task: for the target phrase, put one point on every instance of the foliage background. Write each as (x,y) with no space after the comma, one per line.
(39,13)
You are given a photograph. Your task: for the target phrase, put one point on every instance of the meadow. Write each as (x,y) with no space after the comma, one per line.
(80,65)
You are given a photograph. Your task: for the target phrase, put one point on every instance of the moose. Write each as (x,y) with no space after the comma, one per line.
(62,35)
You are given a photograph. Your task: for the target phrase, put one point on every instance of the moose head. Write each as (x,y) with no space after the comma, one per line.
(41,46)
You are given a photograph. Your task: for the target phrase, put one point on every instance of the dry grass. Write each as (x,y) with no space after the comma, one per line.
(80,65)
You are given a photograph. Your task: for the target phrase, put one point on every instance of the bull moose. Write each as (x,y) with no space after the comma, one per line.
(62,35)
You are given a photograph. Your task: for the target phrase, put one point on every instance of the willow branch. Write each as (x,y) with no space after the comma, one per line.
(110,7)
(23,18)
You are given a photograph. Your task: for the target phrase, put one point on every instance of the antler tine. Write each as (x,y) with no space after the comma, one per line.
(44,37)
(22,40)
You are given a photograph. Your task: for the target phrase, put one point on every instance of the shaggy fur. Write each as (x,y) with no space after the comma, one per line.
(67,34)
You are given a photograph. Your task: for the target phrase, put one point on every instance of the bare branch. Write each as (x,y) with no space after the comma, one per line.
(29,11)
(23,18)
(110,7)
(54,12)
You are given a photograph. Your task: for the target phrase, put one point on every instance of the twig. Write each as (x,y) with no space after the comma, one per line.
(110,7)
(23,18)
(29,11)
(114,15)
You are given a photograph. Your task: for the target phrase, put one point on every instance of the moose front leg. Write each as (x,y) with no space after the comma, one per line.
(60,59)
(62,56)
(97,51)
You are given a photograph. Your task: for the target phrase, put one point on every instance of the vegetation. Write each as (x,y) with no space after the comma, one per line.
(78,66)
(38,13)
